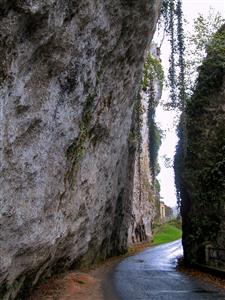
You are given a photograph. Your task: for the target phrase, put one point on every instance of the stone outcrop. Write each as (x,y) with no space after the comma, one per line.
(69,74)
(144,195)
(143,187)
(200,163)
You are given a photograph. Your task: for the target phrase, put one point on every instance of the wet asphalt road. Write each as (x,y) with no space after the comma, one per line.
(151,274)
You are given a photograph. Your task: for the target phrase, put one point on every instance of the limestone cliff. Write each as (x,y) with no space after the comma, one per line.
(200,162)
(69,74)
(144,206)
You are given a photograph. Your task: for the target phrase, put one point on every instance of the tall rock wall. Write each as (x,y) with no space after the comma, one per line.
(200,162)
(144,207)
(69,74)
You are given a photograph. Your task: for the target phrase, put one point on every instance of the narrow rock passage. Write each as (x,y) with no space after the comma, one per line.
(152,274)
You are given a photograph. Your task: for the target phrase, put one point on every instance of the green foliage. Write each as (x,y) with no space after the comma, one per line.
(172,68)
(168,232)
(200,162)
(157,186)
(152,71)
(173,20)
(212,71)
(199,40)
(155,140)
(181,60)
(196,91)
(176,222)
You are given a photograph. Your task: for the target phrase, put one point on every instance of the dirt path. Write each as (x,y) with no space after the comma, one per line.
(92,284)
(76,285)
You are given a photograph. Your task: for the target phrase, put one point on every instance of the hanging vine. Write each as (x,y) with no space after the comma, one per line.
(181,53)
(172,68)
(172,15)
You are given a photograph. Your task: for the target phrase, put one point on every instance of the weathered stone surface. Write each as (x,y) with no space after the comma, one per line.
(143,191)
(144,195)
(69,72)
(200,162)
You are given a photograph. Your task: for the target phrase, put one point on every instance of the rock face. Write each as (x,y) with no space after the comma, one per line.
(144,195)
(69,74)
(143,190)
(200,163)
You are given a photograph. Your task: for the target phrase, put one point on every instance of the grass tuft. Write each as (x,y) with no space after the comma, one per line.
(166,233)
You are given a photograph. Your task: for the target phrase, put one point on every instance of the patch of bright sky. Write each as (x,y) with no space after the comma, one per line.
(167,119)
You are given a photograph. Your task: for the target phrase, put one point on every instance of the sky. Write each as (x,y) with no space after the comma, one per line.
(166,119)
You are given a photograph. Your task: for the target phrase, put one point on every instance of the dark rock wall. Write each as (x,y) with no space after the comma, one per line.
(200,159)
(69,74)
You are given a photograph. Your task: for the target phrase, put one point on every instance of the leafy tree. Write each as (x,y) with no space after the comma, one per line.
(155,140)
(152,70)
(209,76)
(198,41)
